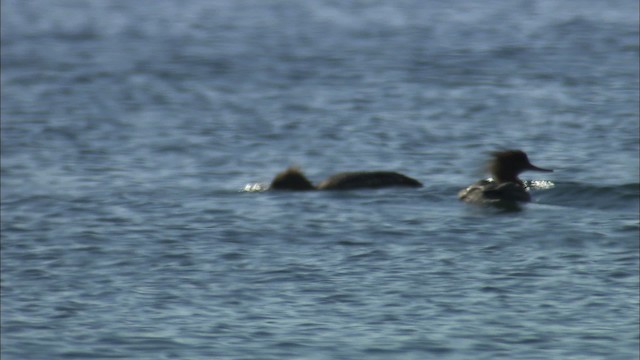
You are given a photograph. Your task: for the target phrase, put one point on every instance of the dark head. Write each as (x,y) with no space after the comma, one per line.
(291,179)
(507,165)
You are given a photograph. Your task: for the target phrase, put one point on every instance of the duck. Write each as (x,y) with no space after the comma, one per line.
(294,179)
(504,186)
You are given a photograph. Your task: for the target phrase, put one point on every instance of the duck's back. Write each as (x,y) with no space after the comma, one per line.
(485,191)
(367,179)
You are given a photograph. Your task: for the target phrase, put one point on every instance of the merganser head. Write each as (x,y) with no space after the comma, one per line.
(291,179)
(507,165)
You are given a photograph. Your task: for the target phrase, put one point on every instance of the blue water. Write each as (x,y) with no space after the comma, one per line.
(130,128)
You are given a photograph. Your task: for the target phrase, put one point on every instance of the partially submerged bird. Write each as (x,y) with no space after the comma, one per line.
(294,179)
(505,186)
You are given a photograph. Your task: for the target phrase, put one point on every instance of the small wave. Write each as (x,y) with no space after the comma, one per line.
(540,184)
(255,187)
(579,195)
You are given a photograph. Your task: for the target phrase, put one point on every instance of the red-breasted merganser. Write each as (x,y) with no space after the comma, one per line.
(294,179)
(505,186)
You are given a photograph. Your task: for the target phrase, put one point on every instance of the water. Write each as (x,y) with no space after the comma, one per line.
(129,129)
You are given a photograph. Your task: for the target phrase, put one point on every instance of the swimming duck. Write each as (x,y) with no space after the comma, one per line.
(293,179)
(505,186)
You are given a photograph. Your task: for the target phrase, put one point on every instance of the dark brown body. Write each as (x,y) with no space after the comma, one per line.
(294,179)
(367,179)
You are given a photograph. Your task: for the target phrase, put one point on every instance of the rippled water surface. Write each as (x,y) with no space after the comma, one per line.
(130,128)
